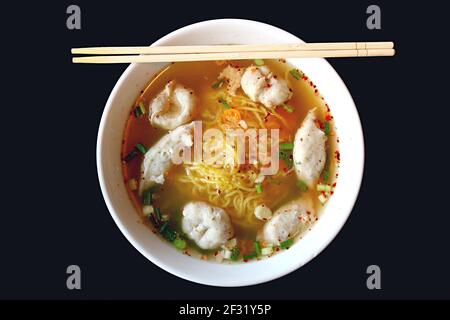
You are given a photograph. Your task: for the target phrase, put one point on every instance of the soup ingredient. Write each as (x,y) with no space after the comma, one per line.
(287,222)
(286,244)
(157,160)
(180,244)
(208,226)
(218,84)
(132,184)
(259,62)
(139,110)
(257,247)
(130,156)
(267,251)
(302,185)
(172,107)
(263,212)
(148,210)
(296,74)
(261,85)
(259,188)
(309,150)
(235,252)
(288,108)
(232,77)
(141,148)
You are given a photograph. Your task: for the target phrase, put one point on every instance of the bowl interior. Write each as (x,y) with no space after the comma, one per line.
(335,213)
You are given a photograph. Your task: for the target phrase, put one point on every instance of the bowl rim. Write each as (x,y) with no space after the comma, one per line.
(185,275)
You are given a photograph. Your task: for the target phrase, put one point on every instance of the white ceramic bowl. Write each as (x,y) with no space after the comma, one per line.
(336,212)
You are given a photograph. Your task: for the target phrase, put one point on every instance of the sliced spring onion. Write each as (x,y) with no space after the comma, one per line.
(142,107)
(158,214)
(139,110)
(295,73)
(132,184)
(326,176)
(259,188)
(217,84)
(286,156)
(259,62)
(130,156)
(322,199)
(302,185)
(180,244)
(148,210)
(288,108)
(235,252)
(323,187)
(286,244)
(167,233)
(257,248)
(226,254)
(249,256)
(225,104)
(267,251)
(141,148)
(164,227)
(147,197)
(327,128)
(286,146)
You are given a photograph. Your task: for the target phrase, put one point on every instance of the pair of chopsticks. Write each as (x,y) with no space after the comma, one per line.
(232,52)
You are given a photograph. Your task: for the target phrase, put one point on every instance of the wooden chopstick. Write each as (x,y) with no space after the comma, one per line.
(234,56)
(234,48)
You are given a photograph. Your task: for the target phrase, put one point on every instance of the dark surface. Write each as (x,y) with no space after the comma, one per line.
(54,214)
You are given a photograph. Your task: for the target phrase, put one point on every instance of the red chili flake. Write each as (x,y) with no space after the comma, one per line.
(331,192)
(334,185)
(305,78)
(328,117)
(337,155)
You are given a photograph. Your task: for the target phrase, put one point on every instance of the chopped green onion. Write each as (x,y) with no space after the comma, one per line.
(166,232)
(286,244)
(326,176)
(148,210)
(302,185)
(225,104)
(286,156)
(257,248)
(235,253)
(266,251)
(322,199)
(323,187)
(249,256)
(142,107)
(327,128)
(259,188)
(180,244)
(141,148)
(158,214)
(139,110)
(288,108)
(217,84)
(259,62)
(147,197)
(132,184)
(130,156)
(295,73)
(286,146)
(164,226)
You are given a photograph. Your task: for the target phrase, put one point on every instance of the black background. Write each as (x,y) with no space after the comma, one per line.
(53,212)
